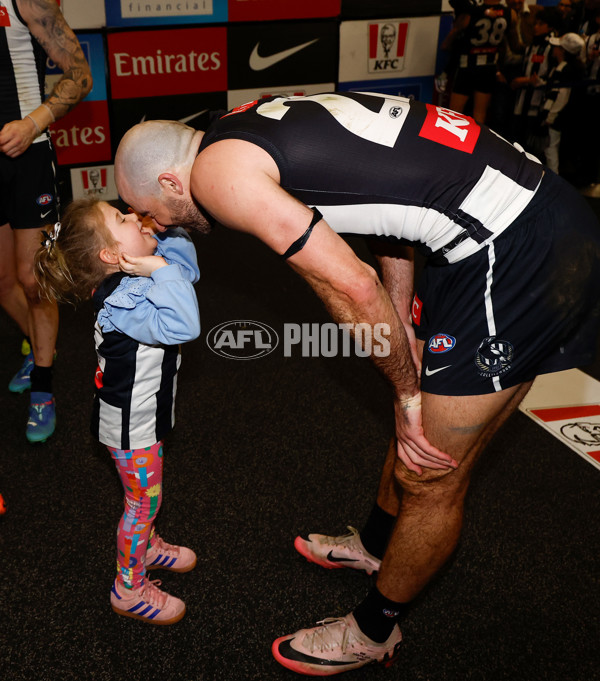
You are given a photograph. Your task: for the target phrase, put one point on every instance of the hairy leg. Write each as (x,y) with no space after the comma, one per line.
(12,297)
(43,314)
(430,514)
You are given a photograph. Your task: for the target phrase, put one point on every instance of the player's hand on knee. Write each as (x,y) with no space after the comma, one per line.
(414,449)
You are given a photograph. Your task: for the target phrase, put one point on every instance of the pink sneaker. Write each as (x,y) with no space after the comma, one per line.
(169,557)
(148,603)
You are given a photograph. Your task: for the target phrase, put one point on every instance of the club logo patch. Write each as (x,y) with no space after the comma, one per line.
(44,199)
(494,357)
(440,343)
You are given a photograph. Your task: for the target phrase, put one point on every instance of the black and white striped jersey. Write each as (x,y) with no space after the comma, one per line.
(22,67)
(136,384)
(386,166)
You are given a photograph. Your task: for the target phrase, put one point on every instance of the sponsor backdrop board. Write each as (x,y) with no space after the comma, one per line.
(278,54)
(388,48)
(567,405)
(273,10)
(238,97)
(83,135)
(191,109)
(98,181)
(167,62)
(84,13)
(421,89)
(163,12)
(359,9)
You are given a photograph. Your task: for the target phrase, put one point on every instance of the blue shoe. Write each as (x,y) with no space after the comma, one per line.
(21,381)
(42,417)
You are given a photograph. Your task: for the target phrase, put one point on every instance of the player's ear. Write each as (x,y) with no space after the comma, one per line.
(110,256)
(171,183)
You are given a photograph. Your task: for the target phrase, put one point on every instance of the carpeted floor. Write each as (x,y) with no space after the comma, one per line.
(262,451)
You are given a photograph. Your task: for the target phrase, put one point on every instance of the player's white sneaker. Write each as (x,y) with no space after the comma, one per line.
(334,646)
(336,552)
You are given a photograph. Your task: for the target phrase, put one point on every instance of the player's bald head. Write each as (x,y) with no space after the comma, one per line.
(149,149)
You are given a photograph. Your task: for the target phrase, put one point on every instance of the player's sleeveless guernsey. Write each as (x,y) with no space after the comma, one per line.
(22,67)
(390,167)
(486,30)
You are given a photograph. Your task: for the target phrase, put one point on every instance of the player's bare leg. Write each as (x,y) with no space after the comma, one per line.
(431,505)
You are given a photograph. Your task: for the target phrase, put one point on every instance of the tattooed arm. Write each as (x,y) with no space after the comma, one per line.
(48,26)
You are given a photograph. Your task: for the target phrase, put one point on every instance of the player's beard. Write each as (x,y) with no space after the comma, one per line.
(185,213)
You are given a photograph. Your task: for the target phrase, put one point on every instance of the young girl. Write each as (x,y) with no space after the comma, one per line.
(141,287)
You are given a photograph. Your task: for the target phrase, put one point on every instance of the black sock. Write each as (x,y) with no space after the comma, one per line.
(377,531)
(41,379)
(376,616)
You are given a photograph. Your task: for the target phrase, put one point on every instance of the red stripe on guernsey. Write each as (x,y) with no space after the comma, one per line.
(563,413)
(374,31)
(402,29)
(594,455)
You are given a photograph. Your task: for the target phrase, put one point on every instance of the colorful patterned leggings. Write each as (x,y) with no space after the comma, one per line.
(140,471)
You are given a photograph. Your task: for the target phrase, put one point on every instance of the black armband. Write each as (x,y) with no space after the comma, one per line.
(300,242)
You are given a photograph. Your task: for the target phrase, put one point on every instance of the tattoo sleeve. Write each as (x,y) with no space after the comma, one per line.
(47,24)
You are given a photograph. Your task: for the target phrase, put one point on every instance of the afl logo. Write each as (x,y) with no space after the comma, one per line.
(441,342)
(242,339)
(395,112)
(494,356)
(44,199)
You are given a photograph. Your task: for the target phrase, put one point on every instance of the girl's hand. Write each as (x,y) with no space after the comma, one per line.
(142,266)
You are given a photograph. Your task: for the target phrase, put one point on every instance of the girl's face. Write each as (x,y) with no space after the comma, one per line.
(133,238)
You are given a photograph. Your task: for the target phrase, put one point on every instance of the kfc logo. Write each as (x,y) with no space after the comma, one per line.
(450,129)
(94,181)
(4,18)
(387,46)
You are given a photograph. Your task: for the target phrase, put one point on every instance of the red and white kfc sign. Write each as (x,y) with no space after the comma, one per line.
(450,128)
(169,62)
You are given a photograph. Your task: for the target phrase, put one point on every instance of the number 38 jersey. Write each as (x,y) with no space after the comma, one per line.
(386,166)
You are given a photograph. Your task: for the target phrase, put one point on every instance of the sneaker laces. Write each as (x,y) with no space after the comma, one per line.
(152,594)
(351,540)
(39,409)
(160,545)
(327,636)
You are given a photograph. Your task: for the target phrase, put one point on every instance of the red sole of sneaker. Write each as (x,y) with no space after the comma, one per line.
(298,667)
(173,620)
(300,546)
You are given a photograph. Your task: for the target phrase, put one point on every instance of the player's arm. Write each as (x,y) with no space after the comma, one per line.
(238,183)
(47,24)
(397,275)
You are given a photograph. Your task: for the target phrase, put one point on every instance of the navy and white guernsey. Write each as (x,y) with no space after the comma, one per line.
(386,166)
(135,396)
(22,67)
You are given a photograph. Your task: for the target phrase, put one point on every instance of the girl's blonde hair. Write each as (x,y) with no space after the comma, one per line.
(69,268)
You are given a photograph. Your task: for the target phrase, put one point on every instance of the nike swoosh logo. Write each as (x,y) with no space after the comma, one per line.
(183,120)
(430,372)
(285,651)
(43,215)
(335,559)
(258,63)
